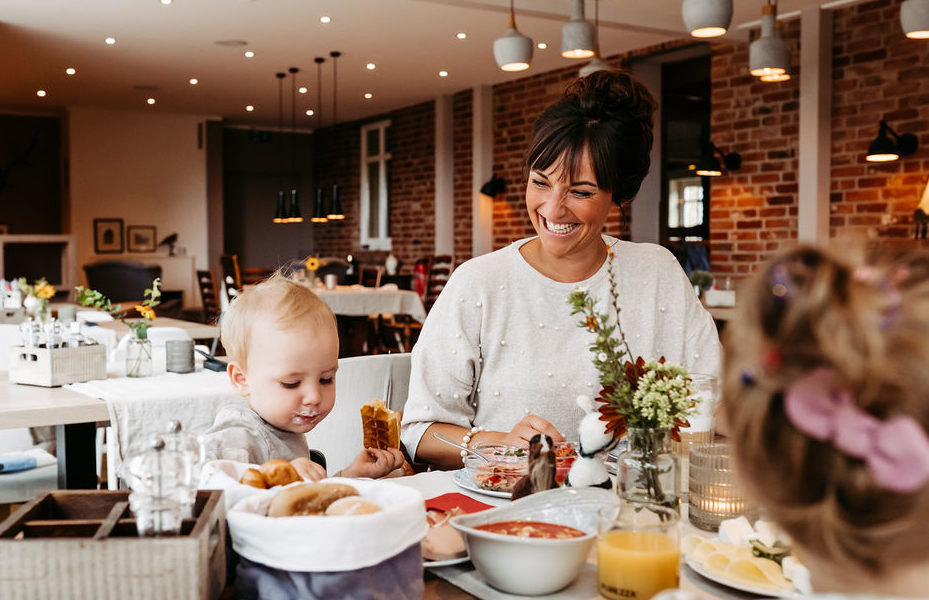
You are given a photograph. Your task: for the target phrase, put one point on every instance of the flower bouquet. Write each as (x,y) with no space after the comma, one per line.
(37,296)
(312,264)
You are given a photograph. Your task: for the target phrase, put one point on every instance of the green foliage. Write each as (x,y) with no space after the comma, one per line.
(94,299)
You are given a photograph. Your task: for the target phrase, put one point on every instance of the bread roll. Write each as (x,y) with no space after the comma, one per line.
(278,471)
(352,505)
(308,499)
(381,425)
(254,478)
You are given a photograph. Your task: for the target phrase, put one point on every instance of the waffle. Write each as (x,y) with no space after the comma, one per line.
(381,425)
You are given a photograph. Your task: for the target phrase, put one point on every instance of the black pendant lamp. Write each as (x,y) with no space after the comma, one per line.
(294,215)
(319,210)
(335,206)
(280,215)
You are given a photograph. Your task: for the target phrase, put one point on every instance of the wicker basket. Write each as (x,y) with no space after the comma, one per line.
(51,367)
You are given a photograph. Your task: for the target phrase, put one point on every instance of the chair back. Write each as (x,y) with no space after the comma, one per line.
(232,276)
(208,295)
(358,381)
(120,280)
(440,268)
(370,276)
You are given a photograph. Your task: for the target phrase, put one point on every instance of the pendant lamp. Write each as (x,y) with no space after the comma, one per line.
(319,214)
(513,50)
(768,56)
(319,211)
(335,207)
(914,18)
(596,63)
(577,35)
(707,18)
(294,216)
(280,215)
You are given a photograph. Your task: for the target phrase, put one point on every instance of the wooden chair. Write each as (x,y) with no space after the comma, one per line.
(255,275)
(209,296)
(440,268)
(397,333)
(370,276)
(232,276)
(357,335)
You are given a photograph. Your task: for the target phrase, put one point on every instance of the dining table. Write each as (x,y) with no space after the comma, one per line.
(359,301)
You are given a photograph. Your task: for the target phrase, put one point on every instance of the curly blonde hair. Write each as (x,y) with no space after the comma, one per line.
(285,301)
(866,319)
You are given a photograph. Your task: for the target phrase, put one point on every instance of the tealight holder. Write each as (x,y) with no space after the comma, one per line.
(714,494)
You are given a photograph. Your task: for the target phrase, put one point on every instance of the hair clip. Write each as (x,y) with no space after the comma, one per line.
(748,379)
(781,286)
(895,450)
(870,275)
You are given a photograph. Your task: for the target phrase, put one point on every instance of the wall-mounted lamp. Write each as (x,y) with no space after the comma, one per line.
(494,186)
(707,18)
(767,56)
(335,206)
(914,18)
(577,35)
(513,50)
(884,149)
(709,165)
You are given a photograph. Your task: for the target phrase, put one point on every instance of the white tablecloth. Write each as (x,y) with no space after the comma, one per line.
(361,301)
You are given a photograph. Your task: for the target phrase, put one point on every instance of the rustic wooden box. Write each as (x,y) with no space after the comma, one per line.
(51,367)
(81,544)
(12,316)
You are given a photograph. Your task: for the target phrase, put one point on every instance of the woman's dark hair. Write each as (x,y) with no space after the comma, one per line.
(611,114)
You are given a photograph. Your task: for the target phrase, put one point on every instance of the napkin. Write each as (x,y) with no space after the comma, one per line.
(27,459)
(446,502)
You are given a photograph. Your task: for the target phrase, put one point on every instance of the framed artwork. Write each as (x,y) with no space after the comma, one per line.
(108,236)
(140,238)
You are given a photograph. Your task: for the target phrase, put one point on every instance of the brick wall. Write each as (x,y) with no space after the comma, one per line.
(462,126)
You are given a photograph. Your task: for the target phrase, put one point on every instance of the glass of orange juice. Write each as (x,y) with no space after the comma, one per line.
(638,551)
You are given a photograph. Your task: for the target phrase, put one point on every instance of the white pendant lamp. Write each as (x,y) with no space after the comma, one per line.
(577,35)
(768,57)
(707,18)
(513,51)
(596,63)
(914,18)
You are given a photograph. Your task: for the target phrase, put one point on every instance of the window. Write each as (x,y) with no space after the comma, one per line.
(685,205)
(375,186)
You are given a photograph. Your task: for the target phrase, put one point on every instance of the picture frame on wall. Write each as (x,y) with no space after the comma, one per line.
(141,238)
(108,236)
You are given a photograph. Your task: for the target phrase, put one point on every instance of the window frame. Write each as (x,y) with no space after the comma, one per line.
(383,240)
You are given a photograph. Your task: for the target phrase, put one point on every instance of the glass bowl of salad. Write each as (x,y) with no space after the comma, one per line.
(506,464)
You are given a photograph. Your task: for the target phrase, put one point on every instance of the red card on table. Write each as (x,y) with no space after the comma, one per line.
(446,502)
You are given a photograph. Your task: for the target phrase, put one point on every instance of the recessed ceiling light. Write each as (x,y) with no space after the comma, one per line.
(309,113)
(249,108)
(461,35)
(541,45)
(443,73)
(110,40)
(324,20)
(40,93)
(249,54)
(368,95)
(370,66)
(150,101)
(302,90)
(70,70)
(166,2)
(194,81)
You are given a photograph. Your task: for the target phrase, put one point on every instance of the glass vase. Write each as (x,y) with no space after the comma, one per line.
(647,470)
(139,357)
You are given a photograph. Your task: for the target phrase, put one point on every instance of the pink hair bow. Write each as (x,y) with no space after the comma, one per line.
(896,450)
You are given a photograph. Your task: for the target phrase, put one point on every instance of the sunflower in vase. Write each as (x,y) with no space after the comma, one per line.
(312,265)
(37,296)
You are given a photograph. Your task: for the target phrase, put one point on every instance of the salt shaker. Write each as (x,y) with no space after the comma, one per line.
(158,499)
(189,448)
(31,332)
(54,334)
(75,338)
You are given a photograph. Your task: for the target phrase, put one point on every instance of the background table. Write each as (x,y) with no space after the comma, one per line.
(362,301)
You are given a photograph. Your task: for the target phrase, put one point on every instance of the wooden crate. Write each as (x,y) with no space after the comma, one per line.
(52,367)
(80,544)
(12,316)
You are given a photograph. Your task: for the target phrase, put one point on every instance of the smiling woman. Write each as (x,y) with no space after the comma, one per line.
(500,350)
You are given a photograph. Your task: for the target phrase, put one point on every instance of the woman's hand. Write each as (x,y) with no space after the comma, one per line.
(529,426)
(309,470)
(374,463)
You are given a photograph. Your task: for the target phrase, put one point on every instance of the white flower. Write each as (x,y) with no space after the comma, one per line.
(602,357)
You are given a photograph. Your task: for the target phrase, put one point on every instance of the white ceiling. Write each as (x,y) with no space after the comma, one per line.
(160,47)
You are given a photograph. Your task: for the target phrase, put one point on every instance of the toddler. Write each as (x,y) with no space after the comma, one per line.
(826,393)
(283,349)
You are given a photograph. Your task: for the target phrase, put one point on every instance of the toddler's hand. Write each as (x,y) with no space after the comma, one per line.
(374,463)
(309,470)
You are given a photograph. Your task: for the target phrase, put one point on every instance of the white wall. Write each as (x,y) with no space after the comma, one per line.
(143,168)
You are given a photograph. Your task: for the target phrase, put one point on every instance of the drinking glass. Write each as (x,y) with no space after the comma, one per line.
(714,493)
(702,420)
(638,551)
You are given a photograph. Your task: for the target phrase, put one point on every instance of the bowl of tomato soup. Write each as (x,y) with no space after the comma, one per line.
(538,544)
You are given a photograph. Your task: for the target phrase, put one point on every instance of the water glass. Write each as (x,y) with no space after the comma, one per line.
(638,551)
(331,281)
(179,356)
(714,493)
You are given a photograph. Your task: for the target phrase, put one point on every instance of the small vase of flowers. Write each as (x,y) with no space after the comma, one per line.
(37,296)
(312,265)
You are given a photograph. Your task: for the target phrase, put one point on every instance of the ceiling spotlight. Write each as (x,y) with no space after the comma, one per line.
(767,56)
(513,51)
(707,18)
(70,70)
(194,81)
(577,35)
(325,20)
(709,165)
(443,73)
(166,2)
(150,101)
(883,149)
(110,40)
(541,45)
(40,93)
(370,66)
(302,90)
(914,18)
(368,95)
(461,35)
(249,108)
(249,54)
(310,113)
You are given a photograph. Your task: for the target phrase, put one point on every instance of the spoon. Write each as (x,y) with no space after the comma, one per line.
(442,438)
